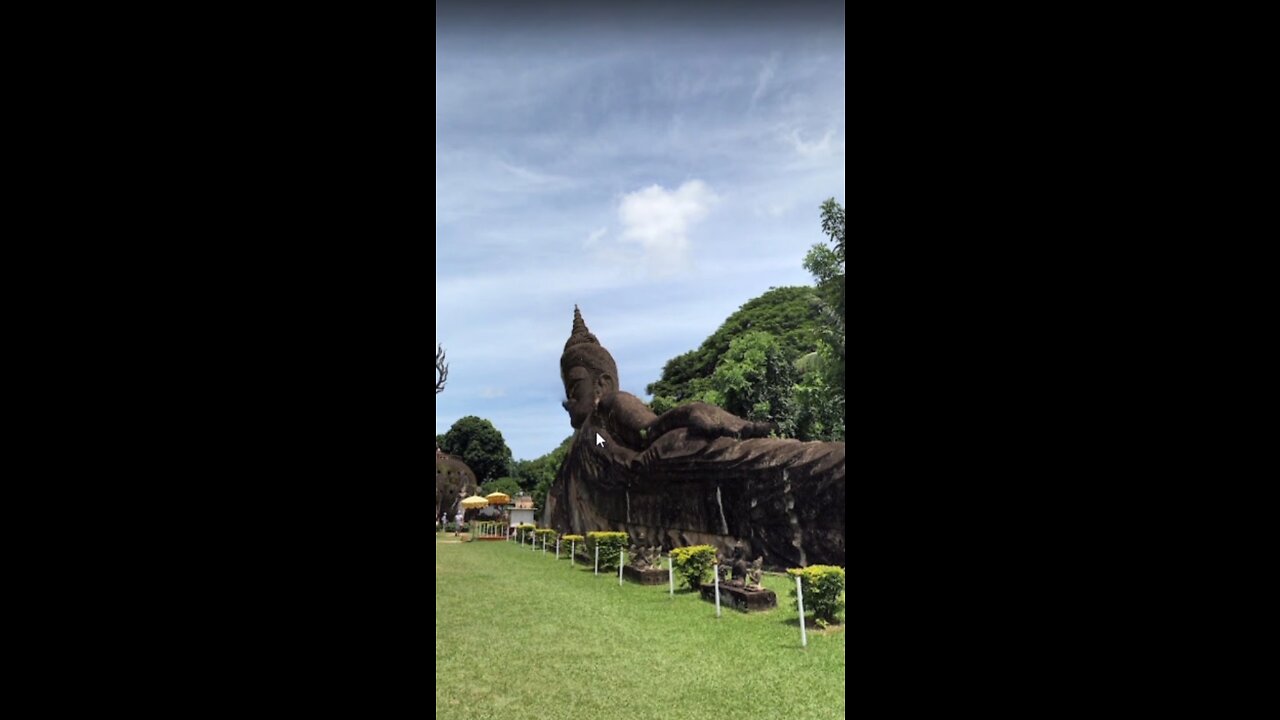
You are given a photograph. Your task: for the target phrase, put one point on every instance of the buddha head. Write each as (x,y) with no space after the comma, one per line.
(588,372)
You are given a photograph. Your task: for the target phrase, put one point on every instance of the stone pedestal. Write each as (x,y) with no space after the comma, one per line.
(648,576)
(740,598)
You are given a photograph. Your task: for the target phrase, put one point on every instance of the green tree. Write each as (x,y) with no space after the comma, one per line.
(754,380)
(787,313)
(508,485)
(819,408)
(543,470)
(827,269)
(833,227)
(480,446)
(661,403)
(822,395)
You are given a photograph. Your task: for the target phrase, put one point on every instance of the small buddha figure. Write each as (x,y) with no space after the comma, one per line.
(739,565)
(754,572)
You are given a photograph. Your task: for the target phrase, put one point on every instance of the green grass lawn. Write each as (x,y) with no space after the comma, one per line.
(520,635)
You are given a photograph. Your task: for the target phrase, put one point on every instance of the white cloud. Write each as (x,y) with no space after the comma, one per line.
(492,392)
(659,221)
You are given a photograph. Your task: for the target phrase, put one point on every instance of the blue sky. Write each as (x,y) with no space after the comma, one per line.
(657,176)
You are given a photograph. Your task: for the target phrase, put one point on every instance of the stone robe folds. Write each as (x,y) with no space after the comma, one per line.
(783,499)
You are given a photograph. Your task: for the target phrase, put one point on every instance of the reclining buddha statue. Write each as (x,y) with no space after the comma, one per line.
(696,474)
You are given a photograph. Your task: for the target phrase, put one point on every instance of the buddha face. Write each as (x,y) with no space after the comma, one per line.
(582,390)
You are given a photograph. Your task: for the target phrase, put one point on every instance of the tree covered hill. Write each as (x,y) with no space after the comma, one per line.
(789,314)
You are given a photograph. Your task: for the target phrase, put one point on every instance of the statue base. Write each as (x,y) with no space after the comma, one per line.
(740,598)
(647,576)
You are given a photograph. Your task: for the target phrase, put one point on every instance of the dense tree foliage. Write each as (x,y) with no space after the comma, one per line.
(508,485)
(535,476)
(753,380)
(787,313)
(829,273)
(480,446)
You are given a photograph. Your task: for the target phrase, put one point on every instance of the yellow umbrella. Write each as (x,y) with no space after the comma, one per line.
(475,501)
(498,498)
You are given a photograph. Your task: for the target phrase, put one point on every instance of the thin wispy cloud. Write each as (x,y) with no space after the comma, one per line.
(811,149)
(533,177)
(594,237)
(762,81)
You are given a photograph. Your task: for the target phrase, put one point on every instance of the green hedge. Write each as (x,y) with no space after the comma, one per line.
(610,544)
(823,587)
(524,532)
(693,564)
(571,542)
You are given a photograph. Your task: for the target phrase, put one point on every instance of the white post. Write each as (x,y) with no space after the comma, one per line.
(671,576)
(557,548)
(572,547)
(621,556)
(804,640)
(544,543)
(597,559)
(716,569)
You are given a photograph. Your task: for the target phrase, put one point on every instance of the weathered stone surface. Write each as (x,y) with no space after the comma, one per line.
(695,475)
(453,479)
(740,598)
(647,576)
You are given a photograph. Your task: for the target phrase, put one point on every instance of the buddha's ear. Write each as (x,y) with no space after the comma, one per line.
(604,381)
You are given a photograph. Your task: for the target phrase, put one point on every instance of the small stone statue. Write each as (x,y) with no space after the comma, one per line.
(724,569)
(753,574)
(643,556)
(639,557)
(739,577)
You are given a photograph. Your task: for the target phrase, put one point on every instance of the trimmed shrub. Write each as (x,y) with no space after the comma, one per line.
(610,544)
(547,533)
(524,532)
(575,538)
(823,587)
(571,542)
(693,564)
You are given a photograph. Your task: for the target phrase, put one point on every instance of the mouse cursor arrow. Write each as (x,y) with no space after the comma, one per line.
(599,440)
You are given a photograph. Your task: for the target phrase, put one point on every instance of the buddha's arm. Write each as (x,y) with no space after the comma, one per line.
(626,416)
(706,421)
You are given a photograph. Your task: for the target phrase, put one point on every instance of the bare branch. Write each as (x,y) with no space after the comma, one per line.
(442,369)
